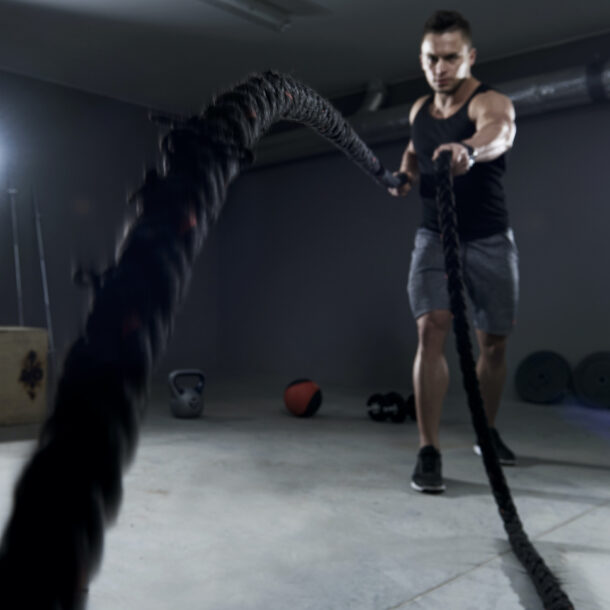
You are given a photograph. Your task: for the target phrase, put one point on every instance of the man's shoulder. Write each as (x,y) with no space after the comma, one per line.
(416,107)
(489,97)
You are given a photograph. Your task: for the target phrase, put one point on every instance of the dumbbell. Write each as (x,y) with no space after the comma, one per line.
(392,406)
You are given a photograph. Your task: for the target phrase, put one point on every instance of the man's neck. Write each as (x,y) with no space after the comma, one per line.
(446,101)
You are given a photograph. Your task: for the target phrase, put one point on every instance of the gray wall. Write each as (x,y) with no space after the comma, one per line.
(305,273)
(559,190)
(314,260)
(81,154)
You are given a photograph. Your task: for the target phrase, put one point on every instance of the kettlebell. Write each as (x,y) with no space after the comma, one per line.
(186,401)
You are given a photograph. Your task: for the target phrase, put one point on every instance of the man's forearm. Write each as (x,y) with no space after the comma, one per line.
(492,140)
(408,165)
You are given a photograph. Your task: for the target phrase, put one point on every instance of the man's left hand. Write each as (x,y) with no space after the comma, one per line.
(460,160)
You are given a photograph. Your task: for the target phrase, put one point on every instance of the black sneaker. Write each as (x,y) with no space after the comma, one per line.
(427,476)
(505,455)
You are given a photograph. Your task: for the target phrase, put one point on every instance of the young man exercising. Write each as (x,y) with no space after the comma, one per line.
(477,125)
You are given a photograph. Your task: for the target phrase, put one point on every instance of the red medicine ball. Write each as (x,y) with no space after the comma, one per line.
(303,397)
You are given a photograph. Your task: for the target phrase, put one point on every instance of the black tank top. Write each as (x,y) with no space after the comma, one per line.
(479,194)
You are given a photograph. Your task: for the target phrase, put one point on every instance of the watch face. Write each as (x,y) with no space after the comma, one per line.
(471,152)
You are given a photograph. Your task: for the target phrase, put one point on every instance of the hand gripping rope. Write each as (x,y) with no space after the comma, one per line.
(71,486)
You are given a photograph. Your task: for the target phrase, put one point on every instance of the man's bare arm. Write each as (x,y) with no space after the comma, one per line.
(408,163)
(494,117)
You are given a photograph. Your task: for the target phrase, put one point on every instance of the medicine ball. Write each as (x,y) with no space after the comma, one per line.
(303,397)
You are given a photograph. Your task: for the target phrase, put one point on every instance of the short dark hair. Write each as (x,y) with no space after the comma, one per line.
(448,21)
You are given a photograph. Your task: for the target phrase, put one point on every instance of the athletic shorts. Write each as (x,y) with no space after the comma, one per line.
(491,278)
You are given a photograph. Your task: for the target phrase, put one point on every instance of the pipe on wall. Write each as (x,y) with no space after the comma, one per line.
(531,96)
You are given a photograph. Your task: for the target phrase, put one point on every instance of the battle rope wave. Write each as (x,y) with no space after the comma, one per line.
(546,583)
(71,487)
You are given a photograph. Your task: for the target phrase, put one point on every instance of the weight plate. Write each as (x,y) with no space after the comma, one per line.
(592,380)
(543,377)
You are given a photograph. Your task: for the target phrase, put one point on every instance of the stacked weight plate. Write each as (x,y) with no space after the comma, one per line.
(592,380)
(545,377)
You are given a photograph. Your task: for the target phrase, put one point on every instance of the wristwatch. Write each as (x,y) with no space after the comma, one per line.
(472,154)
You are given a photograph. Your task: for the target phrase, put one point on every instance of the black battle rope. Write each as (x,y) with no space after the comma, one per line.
(71,486)
(546,583)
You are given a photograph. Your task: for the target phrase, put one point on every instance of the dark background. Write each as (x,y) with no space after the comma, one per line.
(305,273)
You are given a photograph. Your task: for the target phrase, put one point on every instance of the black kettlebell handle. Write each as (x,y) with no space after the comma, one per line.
(175,375)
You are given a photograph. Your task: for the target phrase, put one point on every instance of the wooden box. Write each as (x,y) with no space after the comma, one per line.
(23,374)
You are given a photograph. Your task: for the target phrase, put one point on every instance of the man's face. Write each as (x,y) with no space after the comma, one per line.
(446,60)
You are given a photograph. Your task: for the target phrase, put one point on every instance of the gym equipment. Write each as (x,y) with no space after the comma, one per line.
(303,397)
(91,436)
(12,196)
(543,377)
(592,380)
(546,583)
(23,375)
(45,285)
(392,406)
(186,402)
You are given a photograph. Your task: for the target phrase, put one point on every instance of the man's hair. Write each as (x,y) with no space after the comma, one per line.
(448,21)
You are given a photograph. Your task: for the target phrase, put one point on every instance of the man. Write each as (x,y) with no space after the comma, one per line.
(477,124)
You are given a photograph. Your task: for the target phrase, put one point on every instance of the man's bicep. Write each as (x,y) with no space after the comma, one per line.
(495,108)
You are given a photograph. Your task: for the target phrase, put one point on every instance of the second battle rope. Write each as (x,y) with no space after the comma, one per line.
(71,486)
(546,583)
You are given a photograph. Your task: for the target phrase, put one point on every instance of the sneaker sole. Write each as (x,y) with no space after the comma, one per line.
(432,489)
(504,461)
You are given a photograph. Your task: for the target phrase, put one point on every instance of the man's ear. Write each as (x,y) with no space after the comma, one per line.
(472,55)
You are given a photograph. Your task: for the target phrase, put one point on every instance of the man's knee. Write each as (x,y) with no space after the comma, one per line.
(493,348)
(432,329)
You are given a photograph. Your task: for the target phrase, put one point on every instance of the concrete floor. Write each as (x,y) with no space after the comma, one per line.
(249,508)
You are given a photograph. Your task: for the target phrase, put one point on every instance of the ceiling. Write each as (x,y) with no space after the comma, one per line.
(174,55)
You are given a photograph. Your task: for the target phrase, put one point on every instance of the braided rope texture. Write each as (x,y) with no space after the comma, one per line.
(71,487)
(546,583)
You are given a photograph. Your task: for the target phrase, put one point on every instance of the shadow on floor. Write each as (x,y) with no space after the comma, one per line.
(573,584)
(529,462)
(458,489)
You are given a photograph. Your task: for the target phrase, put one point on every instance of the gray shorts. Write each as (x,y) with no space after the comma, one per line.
(491,278)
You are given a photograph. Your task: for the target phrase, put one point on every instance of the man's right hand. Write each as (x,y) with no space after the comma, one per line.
(402,190)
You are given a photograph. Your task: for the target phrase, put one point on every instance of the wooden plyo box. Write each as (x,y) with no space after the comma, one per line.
(23,375)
